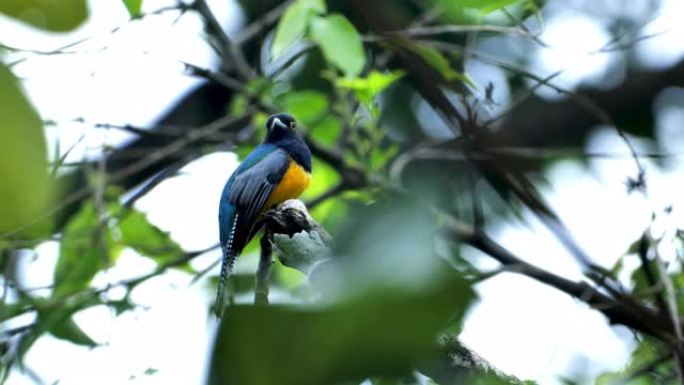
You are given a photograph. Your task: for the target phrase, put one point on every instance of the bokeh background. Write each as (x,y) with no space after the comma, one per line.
(583,99)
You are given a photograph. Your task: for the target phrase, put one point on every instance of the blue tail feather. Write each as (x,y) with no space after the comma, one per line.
(227,262)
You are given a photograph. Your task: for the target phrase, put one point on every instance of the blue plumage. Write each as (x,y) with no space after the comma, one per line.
(228,209)
(249,187)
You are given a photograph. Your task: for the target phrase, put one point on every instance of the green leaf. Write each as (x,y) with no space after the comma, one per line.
(121,306)
(306,105)
(11,310)
(385,300)
(471,11)
(378,334)
(326,131)
(315,6)
(68,330)
(368,88)
(82,252)
(292,25)
(435,58)
(647,354)
(55,317)
(291,28)
(373,84)
(326,177)
(133,7)
(24,186)
(147,239)
(340,42)
(485,6)
(52,15)
(381,156)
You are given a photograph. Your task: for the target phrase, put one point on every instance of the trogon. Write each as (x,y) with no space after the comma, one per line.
(277,170)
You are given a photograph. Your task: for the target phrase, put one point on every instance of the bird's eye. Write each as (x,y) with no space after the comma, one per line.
(293,125)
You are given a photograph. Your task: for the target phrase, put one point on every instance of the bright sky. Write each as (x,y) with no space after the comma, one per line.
(129,77)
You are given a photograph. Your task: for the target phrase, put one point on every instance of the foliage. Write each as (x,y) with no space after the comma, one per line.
(24,191)
(340,43)
(53,15)
(294,23)
(342,342)
(133,7)
(409,170)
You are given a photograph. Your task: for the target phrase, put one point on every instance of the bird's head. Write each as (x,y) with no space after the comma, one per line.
(280,126)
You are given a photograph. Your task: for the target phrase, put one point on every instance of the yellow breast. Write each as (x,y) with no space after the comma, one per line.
(292,185)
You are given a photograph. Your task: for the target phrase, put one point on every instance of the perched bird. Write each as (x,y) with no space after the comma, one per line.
(277,170)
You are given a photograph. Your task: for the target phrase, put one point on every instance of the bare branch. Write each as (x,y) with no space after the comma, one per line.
(643,319)
(231,52)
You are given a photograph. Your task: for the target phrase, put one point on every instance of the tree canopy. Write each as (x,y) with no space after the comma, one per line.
(420,159)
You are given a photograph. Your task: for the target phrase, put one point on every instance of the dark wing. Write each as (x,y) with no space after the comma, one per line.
(250,191)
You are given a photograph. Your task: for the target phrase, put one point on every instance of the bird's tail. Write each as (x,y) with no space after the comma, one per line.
(227,262)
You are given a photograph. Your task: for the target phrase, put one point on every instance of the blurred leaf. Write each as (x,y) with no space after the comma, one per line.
(133,7)
(647,352)
(388,243)
(68,330)
(259,121)
(82,252)
(150,371)
(326,130)
(640,280)
(486,6)
(291,28)
(330,213)
(241,283)
(368,88)
(11,310)
(316,6)
(471,11)
(325,176)
(380,156)
(306,105)
(259,86)
(340,42)
(121,305)
(55,317)
(53,15)
(288,278)
(378,334)
(293,23)
(24,187)
(147,239)
(410,379)
(435,58)
(238,105)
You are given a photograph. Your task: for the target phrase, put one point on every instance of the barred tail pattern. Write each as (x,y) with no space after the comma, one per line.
(226,267)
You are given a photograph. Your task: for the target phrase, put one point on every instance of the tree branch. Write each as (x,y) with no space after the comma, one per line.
(641,318)
(231,53)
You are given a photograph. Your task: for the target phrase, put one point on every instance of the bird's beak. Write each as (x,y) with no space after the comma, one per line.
(277,121)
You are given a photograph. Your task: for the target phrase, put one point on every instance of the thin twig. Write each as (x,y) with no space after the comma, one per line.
(171,149)
(265,262)
(450,29)
(231,52)
(642,319)
(513,105)
(218,77)
(256,27)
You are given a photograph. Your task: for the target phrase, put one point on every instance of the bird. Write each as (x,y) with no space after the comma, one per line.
(275,171)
